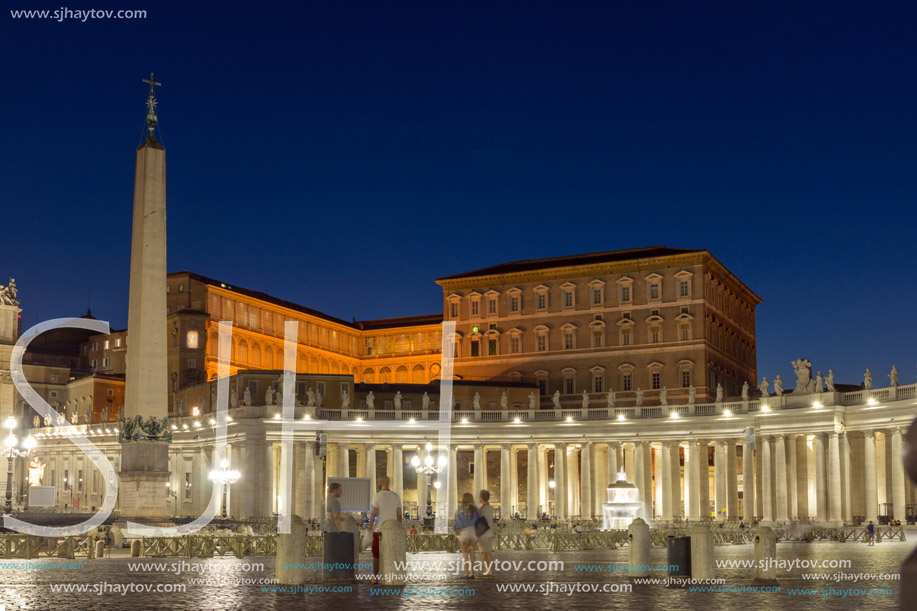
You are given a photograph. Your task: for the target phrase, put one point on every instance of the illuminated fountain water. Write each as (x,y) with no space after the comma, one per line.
(623,504)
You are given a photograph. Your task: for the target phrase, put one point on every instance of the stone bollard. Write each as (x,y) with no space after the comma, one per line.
(703,564)
(638,549)
(349,525)
(765,555)
(117,539)
(291,551)
(136,548)
(392,548)
(100,549)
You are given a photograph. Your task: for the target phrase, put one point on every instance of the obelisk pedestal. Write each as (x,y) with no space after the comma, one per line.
(143,479)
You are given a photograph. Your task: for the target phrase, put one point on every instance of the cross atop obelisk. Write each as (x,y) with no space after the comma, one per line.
(151,119)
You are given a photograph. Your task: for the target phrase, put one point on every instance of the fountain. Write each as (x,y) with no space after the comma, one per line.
(622,506)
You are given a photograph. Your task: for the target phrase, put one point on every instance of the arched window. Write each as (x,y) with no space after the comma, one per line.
(268,357)
(256,354)
(417,375)
(569,381)
(401,375)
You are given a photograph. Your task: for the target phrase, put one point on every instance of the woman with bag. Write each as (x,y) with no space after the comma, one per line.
(464,526)
(486,538)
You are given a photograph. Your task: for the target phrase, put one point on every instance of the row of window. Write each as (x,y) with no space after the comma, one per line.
(729,303)
(488,343)
(487,305)
(106,344)
(626,381)
(252,317)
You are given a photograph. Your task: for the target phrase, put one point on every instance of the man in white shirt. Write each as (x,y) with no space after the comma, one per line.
(386,505)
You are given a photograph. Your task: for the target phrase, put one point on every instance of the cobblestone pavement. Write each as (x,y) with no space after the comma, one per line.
(33,589)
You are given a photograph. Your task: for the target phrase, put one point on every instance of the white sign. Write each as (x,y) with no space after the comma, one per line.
(356,495)
(41,496)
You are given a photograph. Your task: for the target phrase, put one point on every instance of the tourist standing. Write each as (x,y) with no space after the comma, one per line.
(871,533)
(386,506)
(333,509)
(486,540)
(463,525)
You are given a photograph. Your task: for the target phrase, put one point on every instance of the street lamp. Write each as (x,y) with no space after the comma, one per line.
(225,478)
(10,451)
(428,467)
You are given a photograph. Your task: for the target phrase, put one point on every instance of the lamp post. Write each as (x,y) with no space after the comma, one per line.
(225,478)
(428,467)
(10,451)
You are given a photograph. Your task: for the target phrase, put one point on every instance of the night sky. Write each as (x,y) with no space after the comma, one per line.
(343,155)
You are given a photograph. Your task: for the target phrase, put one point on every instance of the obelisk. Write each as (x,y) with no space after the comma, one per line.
(144,457)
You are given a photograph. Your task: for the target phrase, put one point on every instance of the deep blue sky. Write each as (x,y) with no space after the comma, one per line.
(344,155)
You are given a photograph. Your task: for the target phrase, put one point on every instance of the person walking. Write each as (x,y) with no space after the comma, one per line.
(871,533)
(486,540)
(386,506)
(463,525)
(333,508)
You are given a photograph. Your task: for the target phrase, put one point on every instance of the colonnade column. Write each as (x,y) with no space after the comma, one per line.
(560,478)
(344,460)
(505,496)
(513,480)
(667,481)
(767,479)
(675,459)
(792,488)
(371,465)
(397,483)
(692,474)
(587,508)
(748,483)
(732,481)
(802,478)
(834,480)
(645,495)
(572,479)
(658,478)
(648,478)
(612,463)
(869,479)
(703,477)
(898,481)
(781,486)
(531,484)
(846,478)
(600,479)
(719,478)
(821,487)
(543,492)
(479,466)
